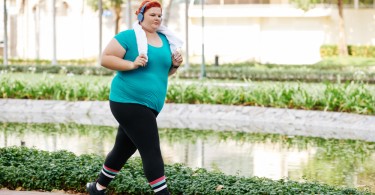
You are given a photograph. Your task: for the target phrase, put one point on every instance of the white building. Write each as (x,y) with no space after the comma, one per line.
(267,31)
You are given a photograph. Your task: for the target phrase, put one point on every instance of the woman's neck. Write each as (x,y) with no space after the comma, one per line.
(153,39)
(149,31)
(151,34)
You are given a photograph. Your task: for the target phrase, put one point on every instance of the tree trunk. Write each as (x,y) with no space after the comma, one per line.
(5,49)
(117,19)
(54,60)
(167,13)
(187,65)
(100,6)
(36,12)
(129,12)
(342,46)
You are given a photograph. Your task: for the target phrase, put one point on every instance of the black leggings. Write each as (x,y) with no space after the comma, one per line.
(137,130)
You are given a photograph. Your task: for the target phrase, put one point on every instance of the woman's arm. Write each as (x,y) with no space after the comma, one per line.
(176,62)
(112,58)
(172,70)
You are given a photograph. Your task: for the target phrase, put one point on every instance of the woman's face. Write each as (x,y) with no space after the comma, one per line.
(152,19)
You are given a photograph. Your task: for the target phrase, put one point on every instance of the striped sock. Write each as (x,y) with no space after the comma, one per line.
(159,185)
(107,175)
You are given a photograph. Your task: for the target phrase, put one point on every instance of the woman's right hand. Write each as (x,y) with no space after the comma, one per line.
(141,60)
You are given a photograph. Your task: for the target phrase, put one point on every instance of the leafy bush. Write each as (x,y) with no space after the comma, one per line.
(349,97)
(50,88)
(328,70)
(329,50)
(19,61)
(362,51)
(58,69)
(32,169)
(356,51)
(280,74)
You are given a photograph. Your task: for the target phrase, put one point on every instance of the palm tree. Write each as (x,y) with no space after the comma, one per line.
(5,59)
(308,4)
(343,48)
(115,5)
(54,61)
(36,12)
(167,12)
(100,7)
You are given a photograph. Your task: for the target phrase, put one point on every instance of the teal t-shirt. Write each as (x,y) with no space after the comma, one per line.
(145,85)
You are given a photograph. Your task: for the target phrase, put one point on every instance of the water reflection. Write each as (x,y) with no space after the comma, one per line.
(347,163)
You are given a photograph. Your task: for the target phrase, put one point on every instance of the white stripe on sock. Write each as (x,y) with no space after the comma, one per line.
(106,174)
(161,188)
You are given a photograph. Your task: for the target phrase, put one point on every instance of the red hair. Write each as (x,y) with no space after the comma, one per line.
(150,4)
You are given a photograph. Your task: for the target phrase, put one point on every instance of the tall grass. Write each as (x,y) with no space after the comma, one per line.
(349,97)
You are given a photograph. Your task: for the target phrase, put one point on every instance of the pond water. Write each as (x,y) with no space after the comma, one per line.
(349,163)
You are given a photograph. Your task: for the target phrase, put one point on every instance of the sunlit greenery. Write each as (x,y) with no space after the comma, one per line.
(331,69)
(349,97)
(32,169)
(334,161)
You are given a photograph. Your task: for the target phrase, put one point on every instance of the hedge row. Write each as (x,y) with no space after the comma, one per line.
(302,75)
(353,50)
(350,97)
(248,72)
(325,51)
(33,169)
(20,61)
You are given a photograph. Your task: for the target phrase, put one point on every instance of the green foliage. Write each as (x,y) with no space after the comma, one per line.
(349,97)
(71,69)
(106,4)
(306,5)
(330,69)
(32,169)
(49,88)
(344,158)
(329,50)
(362,51)
(72,62)
(355,51)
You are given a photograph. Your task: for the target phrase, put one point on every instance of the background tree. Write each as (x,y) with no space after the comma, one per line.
(5,54)
(114,5)
(54,58)
(343,47)
(167,12)
(308,4)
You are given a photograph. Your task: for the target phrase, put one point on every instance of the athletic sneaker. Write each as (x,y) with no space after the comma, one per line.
(91,189)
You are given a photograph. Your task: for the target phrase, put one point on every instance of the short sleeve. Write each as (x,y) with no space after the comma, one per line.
(123,38)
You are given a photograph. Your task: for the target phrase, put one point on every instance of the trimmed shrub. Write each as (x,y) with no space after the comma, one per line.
(33,169)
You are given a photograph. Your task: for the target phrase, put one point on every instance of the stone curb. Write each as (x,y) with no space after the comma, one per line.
(202,117)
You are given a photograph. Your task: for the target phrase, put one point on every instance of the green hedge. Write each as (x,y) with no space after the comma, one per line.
(33,169)
(367,51)
(349,97)
(20,61)
(356,51)
(303,75)
(58,69)
(323,71)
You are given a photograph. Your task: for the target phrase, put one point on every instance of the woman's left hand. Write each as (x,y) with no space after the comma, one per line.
(177,58)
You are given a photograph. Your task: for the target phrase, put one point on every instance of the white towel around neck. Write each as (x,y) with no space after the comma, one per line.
(174,41)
